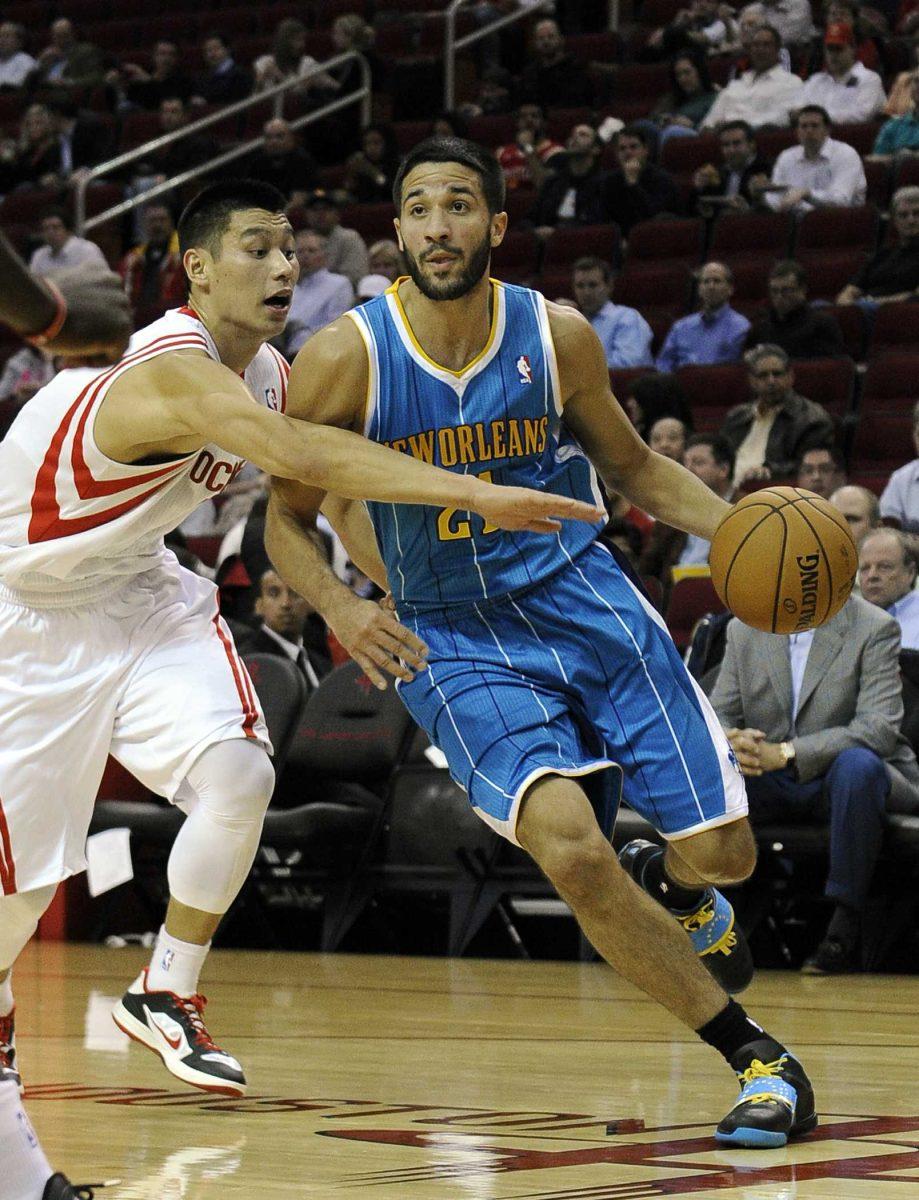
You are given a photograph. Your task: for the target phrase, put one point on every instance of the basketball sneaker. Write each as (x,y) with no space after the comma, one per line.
(8,1068)
(776,1100)
(59,1187)
(173,1027)
(718,939)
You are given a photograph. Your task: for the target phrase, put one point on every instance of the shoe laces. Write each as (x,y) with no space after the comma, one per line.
(760,1070)
(193,1009)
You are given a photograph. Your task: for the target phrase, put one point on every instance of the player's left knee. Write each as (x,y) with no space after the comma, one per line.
(234,780)
(722,856)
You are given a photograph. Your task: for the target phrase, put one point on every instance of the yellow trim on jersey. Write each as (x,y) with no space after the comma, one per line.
(393,290)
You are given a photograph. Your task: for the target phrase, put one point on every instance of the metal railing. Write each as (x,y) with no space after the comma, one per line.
(453,44)
(361,94)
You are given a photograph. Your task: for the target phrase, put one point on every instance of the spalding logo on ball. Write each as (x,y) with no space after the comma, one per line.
(783,560)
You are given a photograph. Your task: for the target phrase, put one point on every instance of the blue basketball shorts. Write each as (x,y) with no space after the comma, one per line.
(578,676)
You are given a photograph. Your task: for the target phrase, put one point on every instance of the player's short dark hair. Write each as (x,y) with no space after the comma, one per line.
(207,216)
(720,447)
(593,262)
(460,150)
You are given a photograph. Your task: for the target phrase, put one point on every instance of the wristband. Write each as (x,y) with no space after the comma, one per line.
(50,332)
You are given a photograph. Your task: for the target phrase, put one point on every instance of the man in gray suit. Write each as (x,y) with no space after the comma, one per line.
(814,719)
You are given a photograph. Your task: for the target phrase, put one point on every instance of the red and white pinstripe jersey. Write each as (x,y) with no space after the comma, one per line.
(70,516)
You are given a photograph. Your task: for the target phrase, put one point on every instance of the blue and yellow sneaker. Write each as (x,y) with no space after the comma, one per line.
(776,1100)
(717,938)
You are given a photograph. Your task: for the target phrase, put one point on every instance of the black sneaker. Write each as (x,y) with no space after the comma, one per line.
(713,930)
(776,1100)
(173,1027)
(833,957)
(8,1067)
(59,1187)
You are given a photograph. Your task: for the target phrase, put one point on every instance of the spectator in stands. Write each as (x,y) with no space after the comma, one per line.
(845,88)
(710,459)
(900,498)
(860,508)
(736,185)
(345,252)
(385,258)
(819,172)
(320,296)
(84,139)
(68,63)
(766,94)
(15,65)
(714,334)
(769,433)
(624,333)
(451,123)
(790,322)
(289,627)
(667,436)
(153,275)
(572,194)
(626,537)
(821,469)
(288,59)
(494,95)
(791,19)
(527,160)
(63,249)
(650,397)
(814,720)
(25,373)
(705,26)
(370,171)
(893,273)
(887,578)
(283,162)
(637,189)
(901,133)
(178,156)
(747,25)
(553,78)
(900,98)
(34,159)
(351,32)
(681,111)
(869,26)
(369,286)
(224,81)
(145,89)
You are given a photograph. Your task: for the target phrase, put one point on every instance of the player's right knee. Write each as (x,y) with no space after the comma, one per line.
(19,917)
(233,781)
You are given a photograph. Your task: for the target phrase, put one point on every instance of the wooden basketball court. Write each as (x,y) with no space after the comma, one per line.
(446,1079)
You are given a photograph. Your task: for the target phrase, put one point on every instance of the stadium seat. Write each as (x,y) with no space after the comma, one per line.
(740,235)
(828,271)
(896,327)
(851,320)
(838,228)
(878,175)
(671,240)
(859,135)
(891,382)
(492,130)
(771,142)
(684,155)
(517,257)
(722,385)
(690,599)
(566,245)
(882,439)
(828,381)
(637,88)
(621,377)
(656,285)
(371,221)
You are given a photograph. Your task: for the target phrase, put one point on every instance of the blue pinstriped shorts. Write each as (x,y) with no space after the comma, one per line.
(578,676)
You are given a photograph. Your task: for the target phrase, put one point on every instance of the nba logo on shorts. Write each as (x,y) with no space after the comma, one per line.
(271,398)
(168,959)
(524,369)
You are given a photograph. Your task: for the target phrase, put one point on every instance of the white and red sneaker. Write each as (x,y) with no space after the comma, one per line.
(173,1027)
(8,1067)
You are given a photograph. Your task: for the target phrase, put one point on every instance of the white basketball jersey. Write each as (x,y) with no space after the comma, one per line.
(69,516)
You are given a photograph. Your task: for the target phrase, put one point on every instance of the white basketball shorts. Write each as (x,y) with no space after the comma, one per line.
(147,673)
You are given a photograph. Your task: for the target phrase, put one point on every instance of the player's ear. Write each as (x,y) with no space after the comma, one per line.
(498,228)
(196,263)
(397,224)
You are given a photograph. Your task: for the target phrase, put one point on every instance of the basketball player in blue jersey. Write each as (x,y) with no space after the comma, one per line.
(552,686)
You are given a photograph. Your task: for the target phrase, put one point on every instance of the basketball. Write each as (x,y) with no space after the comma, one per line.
(783,560)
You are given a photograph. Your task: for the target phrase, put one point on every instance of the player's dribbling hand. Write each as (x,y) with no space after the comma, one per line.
(98,322)
(377,642)
(538,512)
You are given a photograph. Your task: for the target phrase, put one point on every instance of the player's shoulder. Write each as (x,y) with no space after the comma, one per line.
(567,323)
(178,329)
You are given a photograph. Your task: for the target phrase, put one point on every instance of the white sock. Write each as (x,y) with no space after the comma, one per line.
(175,965)
(25,1168)
(6,996)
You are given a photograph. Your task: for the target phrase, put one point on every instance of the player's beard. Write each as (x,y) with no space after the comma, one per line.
(454,289)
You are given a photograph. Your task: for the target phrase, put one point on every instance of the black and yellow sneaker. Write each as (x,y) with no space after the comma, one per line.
(776,1100)
(713,930)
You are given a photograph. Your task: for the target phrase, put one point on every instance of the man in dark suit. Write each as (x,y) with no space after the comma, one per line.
(290,627)
(731,187)
(814,719)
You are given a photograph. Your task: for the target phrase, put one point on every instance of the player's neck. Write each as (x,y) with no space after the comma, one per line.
(451,332)
(237,346)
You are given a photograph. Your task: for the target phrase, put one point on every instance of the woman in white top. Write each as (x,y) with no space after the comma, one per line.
(288,60)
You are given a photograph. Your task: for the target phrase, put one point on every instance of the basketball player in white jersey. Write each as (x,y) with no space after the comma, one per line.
(110,647)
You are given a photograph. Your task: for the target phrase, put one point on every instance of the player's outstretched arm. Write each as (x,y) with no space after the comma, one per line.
(658,485)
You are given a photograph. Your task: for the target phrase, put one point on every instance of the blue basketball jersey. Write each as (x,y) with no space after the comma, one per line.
(498,418)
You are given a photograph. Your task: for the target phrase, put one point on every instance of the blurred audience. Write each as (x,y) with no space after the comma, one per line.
(345,252)
(552,77)
(140,88)
(650,397)
(714,334)
(902,132)
(791,19)
(63,249)
(24,373)
(527,160)
(765,94)
(15,64)
(667,436)
(802,330)
(289,627)
(637,189)
(154,278)
(223,81)
(769,433)
(66,62)
(860,508)
(33,159)
(385,258)
(819,172)
(845,88)
(705,25)
(623,332)
(320,295)
(572,194)
(736,185)
(821,469)
(887,578)
(283,162)
(288,60)
(370,286)
(681,110)
(900,497)
(370,171)
(893,274)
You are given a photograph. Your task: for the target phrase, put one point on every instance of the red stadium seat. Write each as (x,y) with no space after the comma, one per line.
(654,286)
(690,599)
(683,155)
(771,142)
(878,175)
(621,377)
(883,437)
(896,327)
(494,130)
(737,235)
(565,245)
(673,240)
(861,135)
(828,271)
(851,319)
(517,257)
(838,228)
(828,381)
(892,382)
(371,221)
(724,384)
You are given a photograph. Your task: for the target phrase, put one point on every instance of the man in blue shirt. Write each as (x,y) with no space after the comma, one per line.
(320,296)
(887,575)
(715,334)
(625,334)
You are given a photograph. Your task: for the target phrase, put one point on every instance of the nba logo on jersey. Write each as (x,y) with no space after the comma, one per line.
(167,960)
(524,369)
(271,398)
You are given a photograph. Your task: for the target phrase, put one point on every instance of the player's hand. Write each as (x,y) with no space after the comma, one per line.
(523,508)
(747,745)
(98,322)
(377,642)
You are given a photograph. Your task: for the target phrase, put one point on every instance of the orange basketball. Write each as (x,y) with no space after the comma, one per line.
(783,560)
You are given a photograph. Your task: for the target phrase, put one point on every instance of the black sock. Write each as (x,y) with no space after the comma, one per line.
(730,1030)
(657,883)
(845,925)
